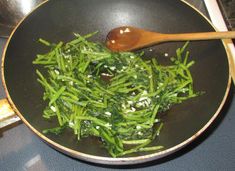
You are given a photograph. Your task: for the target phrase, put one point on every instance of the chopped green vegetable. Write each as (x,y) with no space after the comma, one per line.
(113,96)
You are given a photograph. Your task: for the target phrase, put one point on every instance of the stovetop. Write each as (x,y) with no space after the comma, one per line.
(21,150)
(228,9)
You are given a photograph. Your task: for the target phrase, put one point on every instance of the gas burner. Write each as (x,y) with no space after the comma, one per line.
(228,10)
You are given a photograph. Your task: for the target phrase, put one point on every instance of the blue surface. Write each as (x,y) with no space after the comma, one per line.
(2,43)
(21,150)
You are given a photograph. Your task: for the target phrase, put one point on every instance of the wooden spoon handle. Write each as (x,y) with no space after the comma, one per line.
(199,36)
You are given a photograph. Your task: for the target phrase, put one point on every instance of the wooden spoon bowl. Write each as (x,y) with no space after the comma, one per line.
(127,38)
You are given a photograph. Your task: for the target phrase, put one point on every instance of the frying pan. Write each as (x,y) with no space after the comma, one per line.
(58,20)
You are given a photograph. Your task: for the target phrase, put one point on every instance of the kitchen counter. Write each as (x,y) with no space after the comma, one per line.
(21,150)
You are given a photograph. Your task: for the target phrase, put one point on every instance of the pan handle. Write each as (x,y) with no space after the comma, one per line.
(7,115)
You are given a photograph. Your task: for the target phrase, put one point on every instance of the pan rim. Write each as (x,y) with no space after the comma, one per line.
(110,160)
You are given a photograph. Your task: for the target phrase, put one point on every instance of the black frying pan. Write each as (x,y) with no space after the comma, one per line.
(57,20)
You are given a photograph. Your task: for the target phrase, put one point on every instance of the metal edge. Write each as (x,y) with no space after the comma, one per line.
(109,160)
(218,20)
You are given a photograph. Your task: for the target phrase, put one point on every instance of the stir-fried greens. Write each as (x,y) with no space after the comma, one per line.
(110,95)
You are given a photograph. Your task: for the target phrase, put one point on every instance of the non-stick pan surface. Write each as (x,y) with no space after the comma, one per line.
(57,20)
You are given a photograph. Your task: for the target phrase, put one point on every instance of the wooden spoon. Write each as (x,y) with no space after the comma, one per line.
(129,38)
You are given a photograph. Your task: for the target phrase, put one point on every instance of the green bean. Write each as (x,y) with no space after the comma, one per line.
(56,96)
(131,142)
(44,42)
(122,110)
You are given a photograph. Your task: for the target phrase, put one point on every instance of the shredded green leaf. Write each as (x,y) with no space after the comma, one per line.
(114,96)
